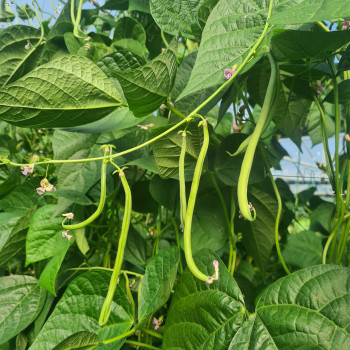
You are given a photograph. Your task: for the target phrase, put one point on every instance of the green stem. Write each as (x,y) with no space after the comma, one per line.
(84,160)
(77,20)
(242,188)
(190,206)
(106,308)
(72,14)
(143,345)
(121,336)
(41,26)
(245,61)
(152,333)
(279,209)
(163,38)
(175,111)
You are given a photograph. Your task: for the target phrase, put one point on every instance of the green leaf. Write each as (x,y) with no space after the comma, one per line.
(116,5)
(81,240)
(24,12)
(227,39)
(21,198)
(63,24)
(147,87)
(258,235)
(187,104)
(78,177)
(72,43)
(157,282)
(129,35)
(167,149)
(14,58)
(165,191)
(79,310)
(44,237)
(12,241)
(137,249)
(308,309)
(176,17)
(308,11)
(21,300)
(80,340)
(343,93)
(228,168)
(202,315)
(139,5)
(21,342)
(297,44)
(303,249)
(289,115)
(48,96)
(47,278)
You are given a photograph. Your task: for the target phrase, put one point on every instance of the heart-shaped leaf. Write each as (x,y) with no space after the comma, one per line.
(232,29)
(17,47)
(147,87)
(67,91)
(202,315)
(157,282)
(80,340)
(309,309)
(79,310)
(21,300)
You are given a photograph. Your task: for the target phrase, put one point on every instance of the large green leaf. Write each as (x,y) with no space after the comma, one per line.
(44,237)
(14,57)
(297,44)
(167,149)
(343,91)
(130,35)
(68,91)
(80,340)
(231,31)
(147,87)
(258,235)
(177,16)
(303,249)
(139,5)
(309,309)
(307,11)
(12,242)
(204,316)
(21,300)
(79,310)
(157,282)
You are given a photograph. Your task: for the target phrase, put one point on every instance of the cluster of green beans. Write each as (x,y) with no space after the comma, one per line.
(192,200)
(242,189)
(106,308)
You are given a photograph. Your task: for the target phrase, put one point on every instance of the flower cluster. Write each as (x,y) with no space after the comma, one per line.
(45,186)
(317,86)
(27,169)
(65,234)
(157,322)
(229,73)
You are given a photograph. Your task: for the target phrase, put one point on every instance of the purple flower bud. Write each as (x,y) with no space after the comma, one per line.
(229,73)
(236,128)
(65,234)
(157,322)
(69,216)
(346,25)
(27,169)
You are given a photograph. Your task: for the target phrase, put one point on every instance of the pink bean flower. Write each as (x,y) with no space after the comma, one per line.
(229,73)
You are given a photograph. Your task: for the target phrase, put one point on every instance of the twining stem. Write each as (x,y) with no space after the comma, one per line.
(279,209)
(325,140)
(121,336)
(241,66)
(242,188)
(41,25)
(190,206)
(106,308)
(100,205)
(77,20)
(141,345)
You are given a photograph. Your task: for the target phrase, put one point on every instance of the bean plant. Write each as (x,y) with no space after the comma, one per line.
(138,208)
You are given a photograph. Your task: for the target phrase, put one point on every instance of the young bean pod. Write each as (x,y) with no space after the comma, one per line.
(242,188)
(100,205)
(106,308)
(182,182)
(190,207)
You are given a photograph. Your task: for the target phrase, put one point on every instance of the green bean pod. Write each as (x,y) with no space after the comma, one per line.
(242,189)
(190,206)
(182,182)
(106,308)
(100,205)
